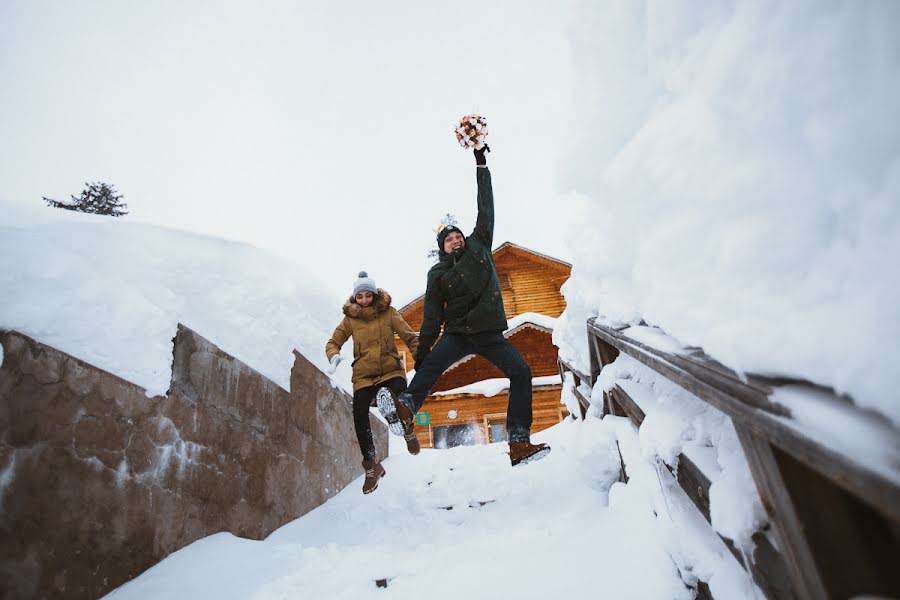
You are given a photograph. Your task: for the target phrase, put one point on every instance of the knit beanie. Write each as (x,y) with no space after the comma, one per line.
(443,233)
(364,284)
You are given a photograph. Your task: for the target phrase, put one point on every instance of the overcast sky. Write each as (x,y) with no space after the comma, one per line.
(319,130)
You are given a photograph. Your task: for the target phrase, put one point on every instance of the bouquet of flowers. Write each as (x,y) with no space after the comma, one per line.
(471,131)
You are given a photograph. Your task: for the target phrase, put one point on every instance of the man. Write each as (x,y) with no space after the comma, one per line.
(463,295)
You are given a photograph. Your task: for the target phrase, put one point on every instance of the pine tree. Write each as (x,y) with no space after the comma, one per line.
(448,219)
(97,198)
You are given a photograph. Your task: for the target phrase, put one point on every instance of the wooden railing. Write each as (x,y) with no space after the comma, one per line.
(834,521)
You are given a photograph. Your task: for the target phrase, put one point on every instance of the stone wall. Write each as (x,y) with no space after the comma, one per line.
(98,482)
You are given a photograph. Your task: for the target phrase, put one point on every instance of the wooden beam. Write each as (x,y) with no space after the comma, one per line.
(802,569)
(855,548)
(748,405)
(628,405)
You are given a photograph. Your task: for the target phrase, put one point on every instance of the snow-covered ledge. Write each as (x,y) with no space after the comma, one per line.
(492,387)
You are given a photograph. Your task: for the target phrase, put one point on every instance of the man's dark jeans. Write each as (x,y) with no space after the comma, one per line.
(496,349)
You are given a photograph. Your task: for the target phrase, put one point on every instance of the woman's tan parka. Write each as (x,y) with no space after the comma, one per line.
(375,355)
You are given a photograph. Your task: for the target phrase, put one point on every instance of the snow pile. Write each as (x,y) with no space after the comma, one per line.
(458,520)
(545,321)
(831,421)
(492,387)
(111,293)
(741,163)
(677,422)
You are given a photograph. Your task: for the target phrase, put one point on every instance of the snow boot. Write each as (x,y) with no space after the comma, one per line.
(395,412)
(374,472)
(412,441)
(521,453)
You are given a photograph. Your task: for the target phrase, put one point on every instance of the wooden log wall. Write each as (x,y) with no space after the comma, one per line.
(535,345)
(472,409)
(529,286)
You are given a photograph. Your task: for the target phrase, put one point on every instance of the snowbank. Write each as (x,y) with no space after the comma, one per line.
(677,422)
(111,292)
(462,523)
(741,163)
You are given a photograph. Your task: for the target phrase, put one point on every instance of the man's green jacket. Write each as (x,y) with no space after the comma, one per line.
(463,291)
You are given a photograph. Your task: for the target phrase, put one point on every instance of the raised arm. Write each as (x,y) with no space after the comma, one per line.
(484,224)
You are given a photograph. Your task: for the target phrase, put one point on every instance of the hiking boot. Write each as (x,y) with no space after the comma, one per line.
(412,441)
(395,412)
(374,472)
(525,452)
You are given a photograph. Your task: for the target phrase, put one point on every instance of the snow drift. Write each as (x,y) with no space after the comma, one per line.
(111,293)
(741,167)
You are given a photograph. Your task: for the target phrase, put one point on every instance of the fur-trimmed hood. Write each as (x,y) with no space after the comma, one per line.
(367,313)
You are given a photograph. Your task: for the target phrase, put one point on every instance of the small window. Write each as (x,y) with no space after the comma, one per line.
(450,436)
(495,426)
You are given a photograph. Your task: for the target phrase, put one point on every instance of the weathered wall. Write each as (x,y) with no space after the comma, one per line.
(98,482)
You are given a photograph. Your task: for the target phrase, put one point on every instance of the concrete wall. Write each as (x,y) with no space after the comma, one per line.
(98,482)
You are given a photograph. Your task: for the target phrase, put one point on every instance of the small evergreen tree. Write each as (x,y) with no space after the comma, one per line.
(97,198)
(448,219)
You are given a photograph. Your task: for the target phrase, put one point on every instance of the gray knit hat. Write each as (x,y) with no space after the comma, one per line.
(364,284)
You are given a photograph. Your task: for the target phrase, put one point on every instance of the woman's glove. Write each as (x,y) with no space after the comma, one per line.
(335,361)
(480,159)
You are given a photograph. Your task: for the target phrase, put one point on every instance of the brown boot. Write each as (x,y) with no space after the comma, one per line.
(412,441)
(394,411)
(525,452)
(374,472)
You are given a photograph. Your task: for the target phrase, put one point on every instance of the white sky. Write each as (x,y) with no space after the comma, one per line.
(321,131)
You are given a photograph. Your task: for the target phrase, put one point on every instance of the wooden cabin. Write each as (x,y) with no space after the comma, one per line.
(468,403)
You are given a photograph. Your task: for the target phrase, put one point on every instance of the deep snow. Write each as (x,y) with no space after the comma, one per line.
(462,522)
(739,167)
(111,293)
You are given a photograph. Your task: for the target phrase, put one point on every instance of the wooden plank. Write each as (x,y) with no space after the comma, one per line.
(583,402)
(628,405)
(696,485)
(727,394)
(807,583)
(769,570)
(855,547)
(751,408)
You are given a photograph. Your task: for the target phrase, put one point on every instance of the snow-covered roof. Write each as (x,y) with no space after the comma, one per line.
(529,319)
(492,387)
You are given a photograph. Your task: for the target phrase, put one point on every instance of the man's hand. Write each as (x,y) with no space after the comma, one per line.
(335,361)
(480,159)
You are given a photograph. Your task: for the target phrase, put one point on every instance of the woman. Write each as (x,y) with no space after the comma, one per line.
(372,322)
